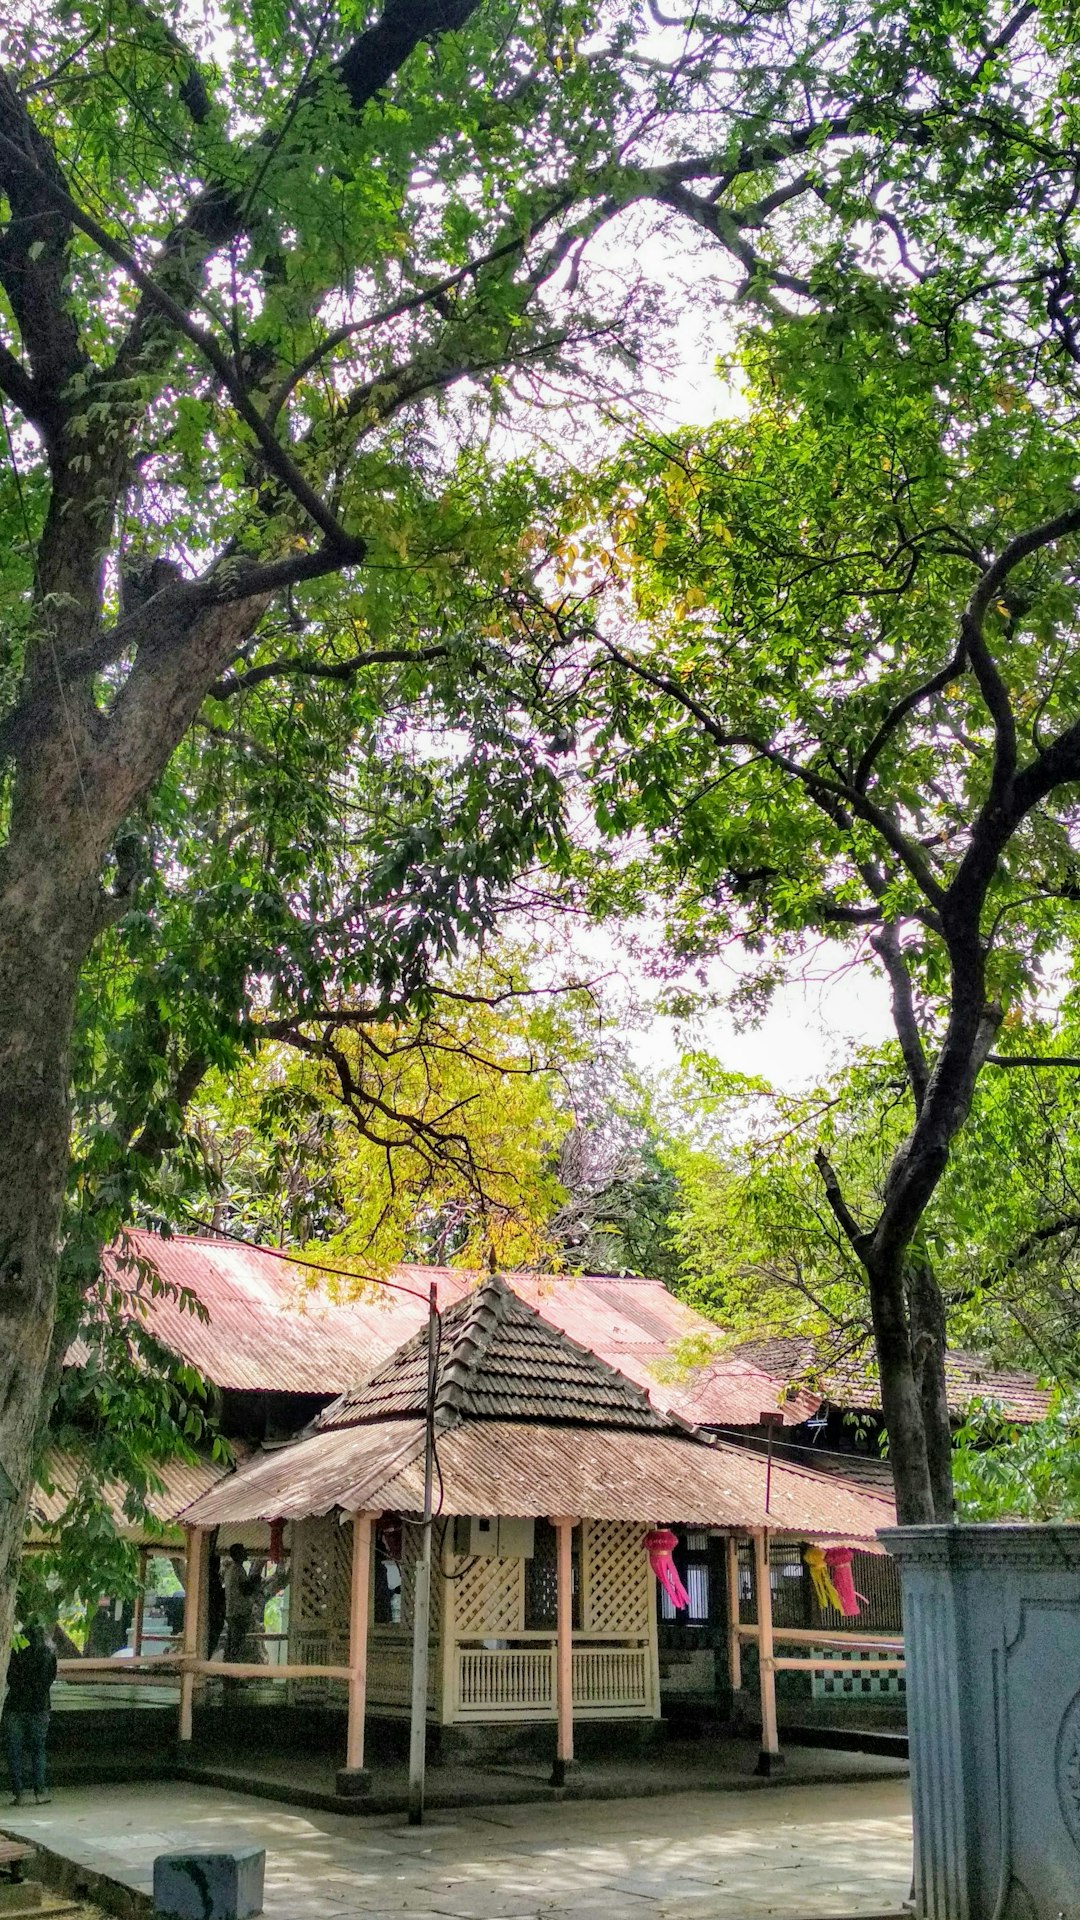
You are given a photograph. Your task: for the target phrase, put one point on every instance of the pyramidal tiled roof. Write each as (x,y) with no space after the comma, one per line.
(499,1360)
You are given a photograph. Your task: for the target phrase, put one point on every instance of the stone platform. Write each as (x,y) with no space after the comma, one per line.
(794,1850)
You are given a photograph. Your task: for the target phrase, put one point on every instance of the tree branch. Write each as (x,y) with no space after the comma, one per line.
(324,669)
(898,714)
(838,1206)
(886,945)
(275,455)
(1050,1060)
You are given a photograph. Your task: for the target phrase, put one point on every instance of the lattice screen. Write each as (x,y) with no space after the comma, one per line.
(410,1553)
(489,1599)
(615,1576)
(321,1575)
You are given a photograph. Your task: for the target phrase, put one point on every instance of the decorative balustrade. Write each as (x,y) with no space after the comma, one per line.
(611,1679)
(518,1683)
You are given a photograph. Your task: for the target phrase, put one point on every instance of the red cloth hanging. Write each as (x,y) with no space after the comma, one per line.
(277,1542)
(838,1561)
(660,1546)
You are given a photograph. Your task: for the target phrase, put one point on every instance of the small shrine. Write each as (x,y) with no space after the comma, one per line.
(555,1480)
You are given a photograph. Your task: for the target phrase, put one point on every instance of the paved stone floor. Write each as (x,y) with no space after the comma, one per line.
(793,1851)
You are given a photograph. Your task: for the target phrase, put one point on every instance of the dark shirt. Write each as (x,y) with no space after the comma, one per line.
(31,1672)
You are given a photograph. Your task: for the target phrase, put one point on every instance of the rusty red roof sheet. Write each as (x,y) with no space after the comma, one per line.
(852,1381)
(516,1468)
(273,1327)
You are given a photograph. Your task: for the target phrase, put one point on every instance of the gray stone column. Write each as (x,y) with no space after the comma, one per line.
(992,1637)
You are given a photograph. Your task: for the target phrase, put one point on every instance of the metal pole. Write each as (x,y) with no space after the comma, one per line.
(422,1588)
(770,1420)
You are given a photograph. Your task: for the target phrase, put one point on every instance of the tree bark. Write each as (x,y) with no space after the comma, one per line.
(901,1401)
(926,1318)
(46,928)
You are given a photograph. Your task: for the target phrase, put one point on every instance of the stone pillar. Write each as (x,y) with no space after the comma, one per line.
(992,1651)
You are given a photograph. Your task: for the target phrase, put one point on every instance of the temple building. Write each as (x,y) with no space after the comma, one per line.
(558,1486)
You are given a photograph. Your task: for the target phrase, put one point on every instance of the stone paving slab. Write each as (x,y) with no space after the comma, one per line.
(721,1764)
(811,1851)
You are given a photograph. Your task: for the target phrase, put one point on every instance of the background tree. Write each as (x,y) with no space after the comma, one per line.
(761,1250)
(843,702)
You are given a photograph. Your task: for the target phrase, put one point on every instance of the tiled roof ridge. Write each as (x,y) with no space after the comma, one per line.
(517,1307)
(469,1332)
(481,1313)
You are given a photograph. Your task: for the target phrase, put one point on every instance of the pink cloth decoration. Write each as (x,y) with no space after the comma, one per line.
(838,1561)
(659,1546)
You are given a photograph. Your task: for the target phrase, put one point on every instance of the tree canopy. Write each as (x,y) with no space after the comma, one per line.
(303,321)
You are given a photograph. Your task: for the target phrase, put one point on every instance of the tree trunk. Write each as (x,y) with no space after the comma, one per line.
(46,927)
(901,1401)
(926,1315)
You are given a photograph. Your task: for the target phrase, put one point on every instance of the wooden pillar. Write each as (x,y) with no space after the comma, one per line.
(731,1552)
(193,1588)
(140,1607)
(564,1652)
(354,1778)
(769,1757)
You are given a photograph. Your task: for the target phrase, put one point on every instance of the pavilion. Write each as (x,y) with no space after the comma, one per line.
(550,1468)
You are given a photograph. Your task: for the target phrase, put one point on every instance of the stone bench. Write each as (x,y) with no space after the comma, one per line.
(209,1883)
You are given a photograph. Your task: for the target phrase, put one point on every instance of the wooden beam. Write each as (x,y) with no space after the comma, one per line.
(448,1664)
(828,1637)
(731,1565)
(192,1608)
(358,1639)
(564,1651)
(255,1670)
(769,1756)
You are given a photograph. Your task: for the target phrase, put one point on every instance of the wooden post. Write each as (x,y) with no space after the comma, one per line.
(731,1550)
(140,1606)
(769,1757)
(354,1779)
(192,1621)
(564,1652)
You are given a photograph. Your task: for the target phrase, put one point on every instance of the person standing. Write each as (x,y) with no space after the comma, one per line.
(25,1719)
(239,1602)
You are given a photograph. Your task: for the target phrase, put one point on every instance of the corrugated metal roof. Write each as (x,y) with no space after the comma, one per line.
(269,1327)
(514,1468)
(497,1359)
(852,1381)
(182,1482)
(346,1468)
(274,1327)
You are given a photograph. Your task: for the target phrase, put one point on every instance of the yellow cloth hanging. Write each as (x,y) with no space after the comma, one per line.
(824,1592)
